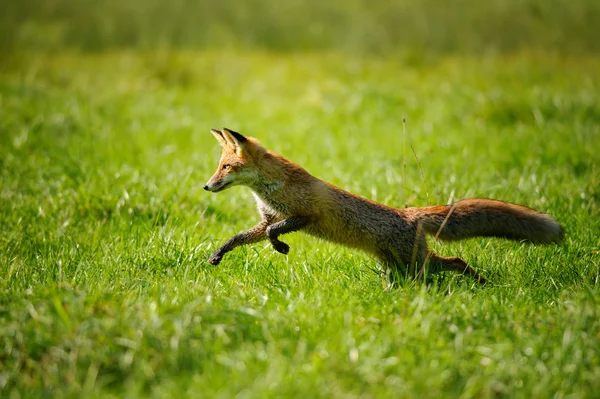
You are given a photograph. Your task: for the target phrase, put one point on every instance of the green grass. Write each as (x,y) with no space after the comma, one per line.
(105,229)
(416,28)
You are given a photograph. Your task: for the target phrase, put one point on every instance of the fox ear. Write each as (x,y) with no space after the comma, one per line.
(236,140)
(219,137)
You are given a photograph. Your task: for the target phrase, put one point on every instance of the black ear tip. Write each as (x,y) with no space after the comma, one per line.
(238,136)
(216,131)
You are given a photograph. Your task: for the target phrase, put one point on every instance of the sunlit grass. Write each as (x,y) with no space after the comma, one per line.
(105,229)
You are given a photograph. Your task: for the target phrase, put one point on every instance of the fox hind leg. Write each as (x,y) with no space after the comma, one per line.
(394,270)
(454,264)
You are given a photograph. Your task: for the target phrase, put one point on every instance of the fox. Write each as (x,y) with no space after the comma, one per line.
(290,199)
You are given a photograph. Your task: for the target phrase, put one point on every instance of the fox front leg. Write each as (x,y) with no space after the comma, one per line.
(288,225)
(255,234)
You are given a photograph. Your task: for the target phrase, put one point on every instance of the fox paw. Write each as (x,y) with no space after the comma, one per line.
(281,247)
(215,259)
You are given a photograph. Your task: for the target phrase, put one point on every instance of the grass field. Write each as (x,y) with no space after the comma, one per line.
(105,229)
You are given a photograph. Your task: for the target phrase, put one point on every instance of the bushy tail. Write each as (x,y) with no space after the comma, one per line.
(479,217)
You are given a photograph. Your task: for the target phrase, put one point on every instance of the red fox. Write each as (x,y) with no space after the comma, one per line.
(290,199)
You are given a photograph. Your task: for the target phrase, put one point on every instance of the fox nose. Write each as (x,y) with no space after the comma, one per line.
(206,187)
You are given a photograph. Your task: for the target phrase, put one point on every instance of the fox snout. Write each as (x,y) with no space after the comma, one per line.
(219,183)
(212,187)
(218,186)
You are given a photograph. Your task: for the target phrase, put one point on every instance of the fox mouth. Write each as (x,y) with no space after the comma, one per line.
(222,187)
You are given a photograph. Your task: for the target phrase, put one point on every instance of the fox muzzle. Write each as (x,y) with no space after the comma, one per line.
(218,186)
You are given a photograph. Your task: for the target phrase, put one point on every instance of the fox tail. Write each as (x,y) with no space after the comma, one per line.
(478,217)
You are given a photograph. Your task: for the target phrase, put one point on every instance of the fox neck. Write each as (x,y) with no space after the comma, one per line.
(265,187)
(269,178)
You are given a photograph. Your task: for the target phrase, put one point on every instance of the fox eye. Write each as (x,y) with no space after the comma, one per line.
(226,166)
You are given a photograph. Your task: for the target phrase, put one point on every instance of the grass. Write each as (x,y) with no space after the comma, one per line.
(105,229)
(418,28)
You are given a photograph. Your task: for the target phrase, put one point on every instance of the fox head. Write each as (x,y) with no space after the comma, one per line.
(236,166)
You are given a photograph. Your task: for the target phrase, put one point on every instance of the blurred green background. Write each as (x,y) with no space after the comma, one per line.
(358,26)
(105,110)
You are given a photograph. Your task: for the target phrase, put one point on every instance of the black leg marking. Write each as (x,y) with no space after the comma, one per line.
(288,225)
(454,264)
(255,234)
